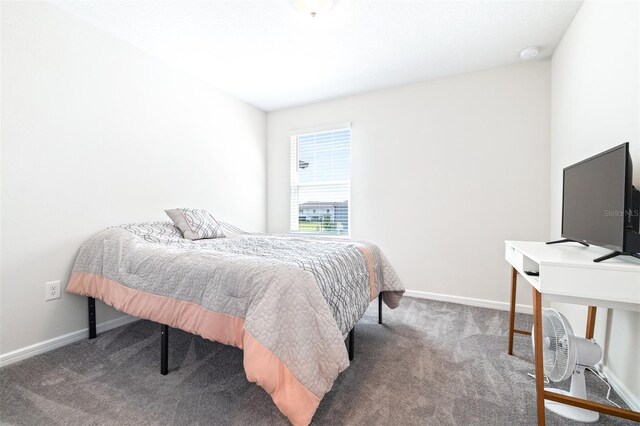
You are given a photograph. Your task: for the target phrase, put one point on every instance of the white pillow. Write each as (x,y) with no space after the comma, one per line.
(195,224)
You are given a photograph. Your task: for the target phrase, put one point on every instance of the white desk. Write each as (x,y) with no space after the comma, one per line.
(567,273)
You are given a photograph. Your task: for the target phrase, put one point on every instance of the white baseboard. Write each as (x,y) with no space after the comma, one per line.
(57,342)
(483,303)
(622,390)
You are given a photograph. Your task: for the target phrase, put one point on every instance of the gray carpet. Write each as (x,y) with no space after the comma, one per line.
(432,363)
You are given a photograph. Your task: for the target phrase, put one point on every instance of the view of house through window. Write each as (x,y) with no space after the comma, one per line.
(321,181)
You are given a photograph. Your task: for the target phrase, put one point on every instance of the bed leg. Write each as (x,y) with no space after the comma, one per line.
(352,338)
(164,349)
(380,308)
(92,317)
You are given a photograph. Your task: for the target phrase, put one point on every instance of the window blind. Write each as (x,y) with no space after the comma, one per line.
(321,181)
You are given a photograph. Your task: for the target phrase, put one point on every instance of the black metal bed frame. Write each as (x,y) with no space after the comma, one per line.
(164,335)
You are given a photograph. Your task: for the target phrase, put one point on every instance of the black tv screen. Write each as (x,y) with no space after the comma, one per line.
(593,200)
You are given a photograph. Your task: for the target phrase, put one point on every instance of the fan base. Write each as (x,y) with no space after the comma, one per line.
(569,411)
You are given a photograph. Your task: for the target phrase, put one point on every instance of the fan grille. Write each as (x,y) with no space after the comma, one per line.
(558,348)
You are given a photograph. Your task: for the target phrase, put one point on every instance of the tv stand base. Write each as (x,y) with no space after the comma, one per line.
(614,254)
(566,240)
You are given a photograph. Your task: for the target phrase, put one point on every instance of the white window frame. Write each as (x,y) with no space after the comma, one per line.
(293,170)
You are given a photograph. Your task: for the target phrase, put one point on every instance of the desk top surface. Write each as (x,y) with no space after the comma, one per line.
(567,273)
(573,254)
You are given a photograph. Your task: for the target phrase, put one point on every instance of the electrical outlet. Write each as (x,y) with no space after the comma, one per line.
(52,290)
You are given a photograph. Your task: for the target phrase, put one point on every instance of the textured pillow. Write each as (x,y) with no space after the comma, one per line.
(195,224)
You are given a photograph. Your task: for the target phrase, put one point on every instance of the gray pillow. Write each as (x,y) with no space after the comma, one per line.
(195,224)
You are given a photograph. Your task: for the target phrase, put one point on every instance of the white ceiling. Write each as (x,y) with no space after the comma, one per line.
(269,55)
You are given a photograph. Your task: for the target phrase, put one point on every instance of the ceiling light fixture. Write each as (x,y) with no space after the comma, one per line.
(313,7)
(529,52)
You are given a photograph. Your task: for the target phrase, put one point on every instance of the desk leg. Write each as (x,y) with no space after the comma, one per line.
(537,338)
(591,321)
(512,308)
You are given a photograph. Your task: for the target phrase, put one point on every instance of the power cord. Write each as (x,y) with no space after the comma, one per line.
(533,376)
(597,373)
(604,379)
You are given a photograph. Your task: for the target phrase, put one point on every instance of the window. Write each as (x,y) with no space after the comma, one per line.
(321,181)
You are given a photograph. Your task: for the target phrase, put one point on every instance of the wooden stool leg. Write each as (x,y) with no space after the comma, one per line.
(591,322)
(537,339)
(512,308)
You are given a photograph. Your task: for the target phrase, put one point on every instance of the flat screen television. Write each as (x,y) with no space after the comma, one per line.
(600,206)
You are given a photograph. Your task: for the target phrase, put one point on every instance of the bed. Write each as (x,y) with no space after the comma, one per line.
(287,301)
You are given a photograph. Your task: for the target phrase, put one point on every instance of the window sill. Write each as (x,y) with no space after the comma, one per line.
(320,234)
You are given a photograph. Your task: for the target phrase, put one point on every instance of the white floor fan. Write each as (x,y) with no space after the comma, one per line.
(566,355)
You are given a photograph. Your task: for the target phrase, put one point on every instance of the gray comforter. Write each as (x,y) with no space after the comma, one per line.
(286,300)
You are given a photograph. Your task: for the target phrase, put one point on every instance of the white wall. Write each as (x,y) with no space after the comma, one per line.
(595,88)
(443,172)
(97,133)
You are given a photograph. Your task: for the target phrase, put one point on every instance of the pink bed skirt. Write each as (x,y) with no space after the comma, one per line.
(261,365)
